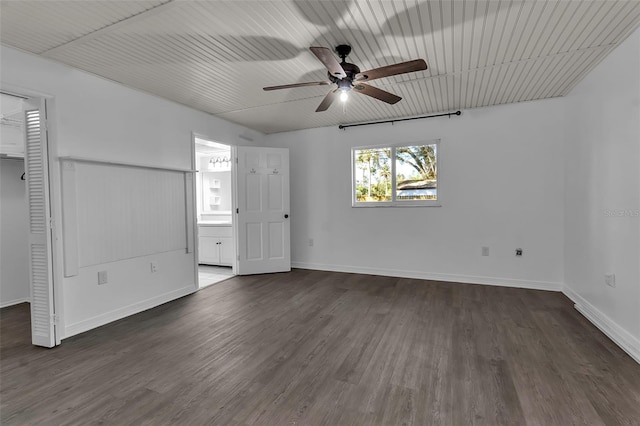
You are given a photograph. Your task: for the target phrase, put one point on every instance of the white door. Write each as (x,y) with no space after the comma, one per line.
(40,256)
(263,210)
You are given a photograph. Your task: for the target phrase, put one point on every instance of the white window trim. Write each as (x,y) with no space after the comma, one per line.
(394,202)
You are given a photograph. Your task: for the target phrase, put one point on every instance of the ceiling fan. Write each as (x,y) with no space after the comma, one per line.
(348,77)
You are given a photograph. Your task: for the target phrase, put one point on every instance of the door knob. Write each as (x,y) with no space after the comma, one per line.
(286,216)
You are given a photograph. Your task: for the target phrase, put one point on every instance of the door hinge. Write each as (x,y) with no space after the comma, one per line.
(238,257)
(236,160)
(237,211)
(51,222)
(44,124)
(54,319)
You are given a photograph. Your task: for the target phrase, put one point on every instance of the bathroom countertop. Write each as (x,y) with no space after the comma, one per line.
(214,223)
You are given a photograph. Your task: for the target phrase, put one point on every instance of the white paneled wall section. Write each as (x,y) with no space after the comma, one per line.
(122,211)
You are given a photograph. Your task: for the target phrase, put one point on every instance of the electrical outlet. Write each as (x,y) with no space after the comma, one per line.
(102,277)
(154,267)
(610,280)
(485,251)
(518,252)
(310,242)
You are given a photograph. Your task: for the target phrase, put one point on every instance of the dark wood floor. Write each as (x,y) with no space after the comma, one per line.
(314,348)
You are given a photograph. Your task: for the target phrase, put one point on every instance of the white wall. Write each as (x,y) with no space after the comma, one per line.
(95,118)
(602,171)
(14,256)
(502,186)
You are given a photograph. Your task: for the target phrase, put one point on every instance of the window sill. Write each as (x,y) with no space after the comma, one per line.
(393,205)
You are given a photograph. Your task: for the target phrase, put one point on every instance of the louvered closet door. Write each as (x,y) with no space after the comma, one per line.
(40,262)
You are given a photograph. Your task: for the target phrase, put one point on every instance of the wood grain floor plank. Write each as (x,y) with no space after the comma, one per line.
(325,348)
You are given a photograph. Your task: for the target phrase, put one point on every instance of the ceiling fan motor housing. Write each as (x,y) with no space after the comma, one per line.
(350,69)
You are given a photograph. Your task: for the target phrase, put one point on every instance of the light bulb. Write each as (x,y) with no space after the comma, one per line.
(344,96)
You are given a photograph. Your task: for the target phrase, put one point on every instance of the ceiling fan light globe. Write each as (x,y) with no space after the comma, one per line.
(344,96)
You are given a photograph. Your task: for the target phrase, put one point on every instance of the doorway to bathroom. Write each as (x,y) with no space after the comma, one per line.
(214,199)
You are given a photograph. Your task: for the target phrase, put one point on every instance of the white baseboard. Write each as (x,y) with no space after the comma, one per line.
(14,302)
(468,279)
(611,329)
(107,317)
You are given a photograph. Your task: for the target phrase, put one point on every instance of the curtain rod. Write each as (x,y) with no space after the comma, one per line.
(447,114)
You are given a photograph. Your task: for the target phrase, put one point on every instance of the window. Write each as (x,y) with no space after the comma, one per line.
(398,175)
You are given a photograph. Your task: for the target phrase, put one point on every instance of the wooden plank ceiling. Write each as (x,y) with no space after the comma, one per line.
(216,56)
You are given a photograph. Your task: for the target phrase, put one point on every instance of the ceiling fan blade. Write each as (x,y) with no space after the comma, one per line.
(289,86)
(326,57)
(327,101)
(374,92)
(389,70)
